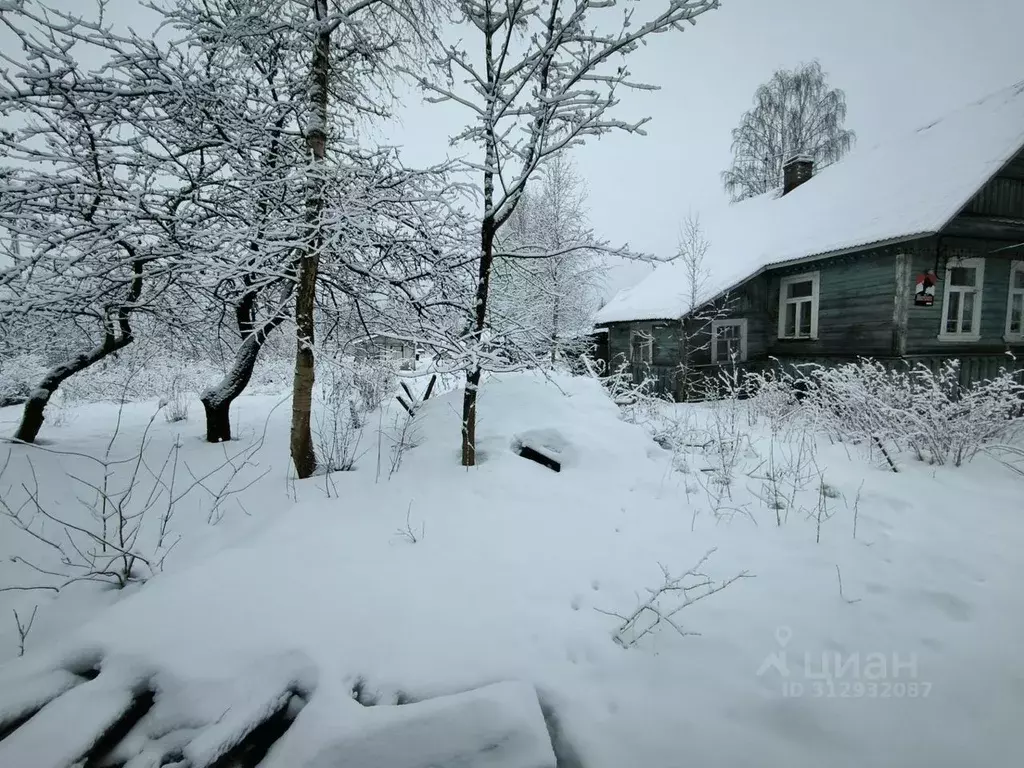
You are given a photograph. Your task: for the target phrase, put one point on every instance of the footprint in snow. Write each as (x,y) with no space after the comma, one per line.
(950,605)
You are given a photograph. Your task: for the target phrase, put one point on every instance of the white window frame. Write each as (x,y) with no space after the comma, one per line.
(1015,266)
(979,291)
(646,347)
(716,325)
(814,298)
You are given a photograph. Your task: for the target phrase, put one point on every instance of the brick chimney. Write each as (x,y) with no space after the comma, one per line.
(796,171)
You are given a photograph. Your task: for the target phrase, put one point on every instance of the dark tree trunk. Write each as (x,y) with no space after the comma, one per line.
(218,421)
(217,399)
(473,377)
(302,450)
(33,416)
(469,418)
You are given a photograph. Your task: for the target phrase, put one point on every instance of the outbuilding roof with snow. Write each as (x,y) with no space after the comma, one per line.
(903,189)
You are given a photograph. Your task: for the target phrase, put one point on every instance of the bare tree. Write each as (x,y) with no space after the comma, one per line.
(702,308)
(546,77)
(98,225)
(544,306)
(188,181)
(250,128)
(794,113)
(692,250)
(372,36)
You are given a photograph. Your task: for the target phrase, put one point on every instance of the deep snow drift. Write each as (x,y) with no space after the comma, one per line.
(431,580)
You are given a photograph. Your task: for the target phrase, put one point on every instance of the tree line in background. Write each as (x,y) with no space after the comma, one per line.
(207,183)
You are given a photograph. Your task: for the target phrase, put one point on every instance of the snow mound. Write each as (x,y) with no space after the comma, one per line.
(498,726)
(569,419)
(516,573)
(66,729)
(549,443)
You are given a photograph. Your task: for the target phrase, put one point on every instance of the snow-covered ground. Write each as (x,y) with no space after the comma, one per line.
(881,623)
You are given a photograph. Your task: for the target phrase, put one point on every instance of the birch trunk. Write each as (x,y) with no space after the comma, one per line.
(302,450)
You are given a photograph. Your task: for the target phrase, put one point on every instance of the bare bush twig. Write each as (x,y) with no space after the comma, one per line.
(107,545)
(667,600)
(409,533)
(24,627)
(176,401)
(839,576)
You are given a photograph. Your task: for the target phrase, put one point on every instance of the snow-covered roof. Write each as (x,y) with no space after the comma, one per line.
(905,188)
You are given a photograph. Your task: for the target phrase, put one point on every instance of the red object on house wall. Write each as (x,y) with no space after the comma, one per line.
(924,290)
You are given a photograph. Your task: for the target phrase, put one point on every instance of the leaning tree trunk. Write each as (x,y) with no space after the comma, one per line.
(33,415)
(302,450)
(35,405)
(217,399)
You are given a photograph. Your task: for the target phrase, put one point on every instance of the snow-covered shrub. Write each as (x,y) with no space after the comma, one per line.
(141,372)
(772,399)
(618,381)
(19,375)
(786,468)
(176,407)
(273,373)
(375,381)
(988,412)
(338,426)
(918,409)
(59,409)
(637,400)
(726,436)
(404,436)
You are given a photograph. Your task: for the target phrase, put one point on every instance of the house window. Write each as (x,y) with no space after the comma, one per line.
(728,340)
(640,344)
(961,303)
(798,306)
(1015,302)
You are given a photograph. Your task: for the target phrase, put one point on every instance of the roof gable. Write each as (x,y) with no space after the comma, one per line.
(910,187)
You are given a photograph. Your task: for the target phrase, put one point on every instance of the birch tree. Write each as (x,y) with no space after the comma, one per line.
(691,256)
(796,112)
(548,273)
(373,34)
(544,76)
(695,326)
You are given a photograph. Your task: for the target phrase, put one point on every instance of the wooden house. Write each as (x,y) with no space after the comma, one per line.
(911,251)
(381,346)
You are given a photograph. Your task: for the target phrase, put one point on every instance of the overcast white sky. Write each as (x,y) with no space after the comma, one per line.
(901,63)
